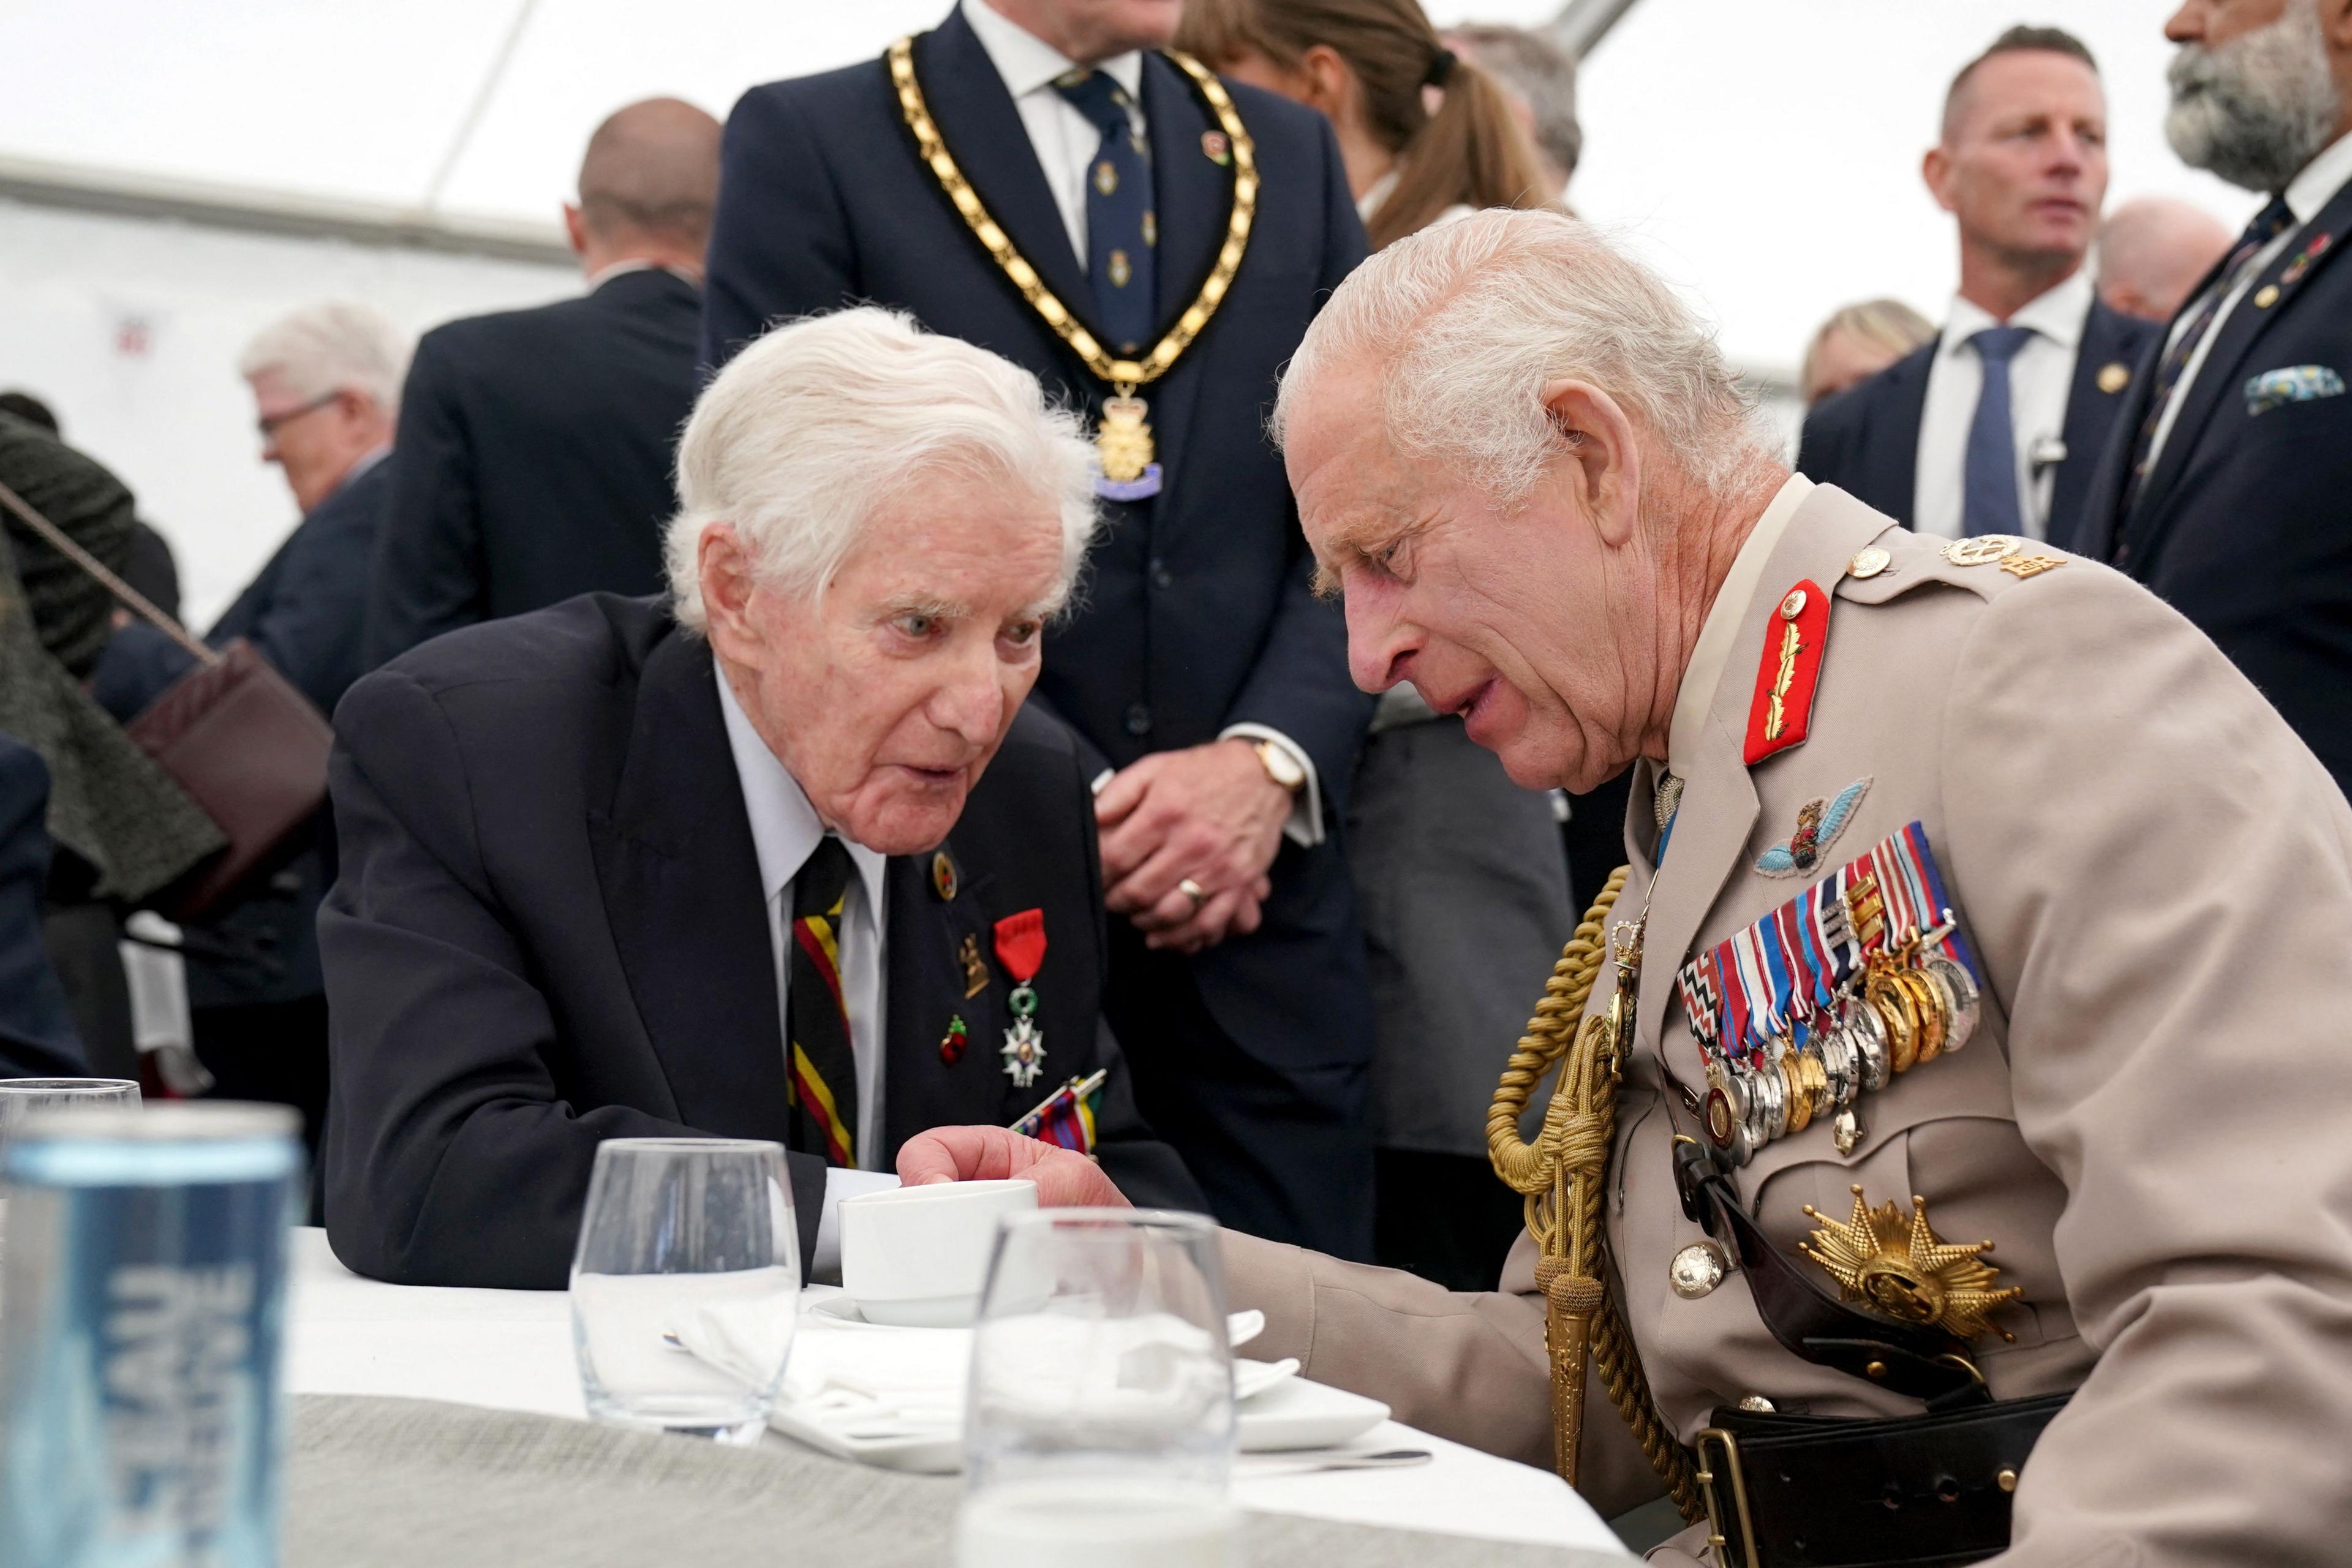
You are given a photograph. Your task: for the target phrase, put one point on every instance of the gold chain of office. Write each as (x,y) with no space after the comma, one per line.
(1124,440)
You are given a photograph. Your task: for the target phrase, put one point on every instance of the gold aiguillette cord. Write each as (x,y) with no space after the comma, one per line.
(1123,443)
(1561,1176)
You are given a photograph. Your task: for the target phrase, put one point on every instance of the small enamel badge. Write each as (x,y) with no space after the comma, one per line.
(1216,148)
(975,972)
(1021,948)
(1785,675)
(953,1042)
(943,875)
(1819,821)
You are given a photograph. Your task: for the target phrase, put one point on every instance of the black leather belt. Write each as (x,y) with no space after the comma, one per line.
(1924,1491)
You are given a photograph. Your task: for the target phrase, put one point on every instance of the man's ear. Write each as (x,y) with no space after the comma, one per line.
(723,567)
(575,229)
(1936,170)
(1601,461)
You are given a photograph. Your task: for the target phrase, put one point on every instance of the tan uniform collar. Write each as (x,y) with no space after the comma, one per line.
(1724,619)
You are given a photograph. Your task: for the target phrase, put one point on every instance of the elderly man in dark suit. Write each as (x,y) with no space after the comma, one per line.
(1151,244)
(1997,425)
(615,870)
(2232,495)
(535,445)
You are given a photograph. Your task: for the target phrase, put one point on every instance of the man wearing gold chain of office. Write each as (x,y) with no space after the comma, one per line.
(1041,178)
(1978,1185)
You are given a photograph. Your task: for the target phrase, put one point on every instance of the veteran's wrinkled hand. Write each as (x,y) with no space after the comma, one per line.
(1064,1178)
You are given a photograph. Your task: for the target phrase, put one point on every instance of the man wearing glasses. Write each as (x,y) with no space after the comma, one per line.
(326,391)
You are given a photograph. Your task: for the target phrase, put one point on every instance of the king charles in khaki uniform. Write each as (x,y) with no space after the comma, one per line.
(1971,873)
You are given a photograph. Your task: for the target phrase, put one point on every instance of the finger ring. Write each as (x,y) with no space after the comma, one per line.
(1194,891)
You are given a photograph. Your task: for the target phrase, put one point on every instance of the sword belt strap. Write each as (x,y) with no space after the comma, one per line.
(1922,1491)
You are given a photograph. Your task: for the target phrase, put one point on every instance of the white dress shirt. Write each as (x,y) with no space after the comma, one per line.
(785,831)
(1066,142)
(2308,191)
(1712,652)
(2039,379)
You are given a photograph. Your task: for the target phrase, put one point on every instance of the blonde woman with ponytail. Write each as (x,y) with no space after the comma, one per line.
(1426,136)
(1462,875)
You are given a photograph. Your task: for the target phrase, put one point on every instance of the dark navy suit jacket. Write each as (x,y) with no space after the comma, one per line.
(1197,609)
(535,450)
(1866,440)
(2245,524)
(550,931)
(36,1030)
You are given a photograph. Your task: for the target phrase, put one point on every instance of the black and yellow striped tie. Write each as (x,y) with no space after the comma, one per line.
(823,1069)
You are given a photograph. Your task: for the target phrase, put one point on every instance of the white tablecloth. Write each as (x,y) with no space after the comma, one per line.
(511,1349)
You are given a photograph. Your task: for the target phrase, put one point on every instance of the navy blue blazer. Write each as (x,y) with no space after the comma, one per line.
(1197,612)
(550,931)
(1866,440)
(2245,524)
(534,458)
(36,1029)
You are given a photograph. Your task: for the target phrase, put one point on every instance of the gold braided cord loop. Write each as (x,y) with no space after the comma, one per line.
(1562,1175)
(1124,376)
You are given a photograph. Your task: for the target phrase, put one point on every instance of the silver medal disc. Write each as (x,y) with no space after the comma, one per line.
(1869,1035)
(1968,1005)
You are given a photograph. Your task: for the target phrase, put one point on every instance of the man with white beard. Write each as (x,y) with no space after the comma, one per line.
(2230,489)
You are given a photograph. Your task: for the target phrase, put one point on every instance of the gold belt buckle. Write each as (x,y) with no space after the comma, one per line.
(1715,1513)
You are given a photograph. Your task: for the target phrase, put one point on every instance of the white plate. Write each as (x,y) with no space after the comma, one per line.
(1297,1413)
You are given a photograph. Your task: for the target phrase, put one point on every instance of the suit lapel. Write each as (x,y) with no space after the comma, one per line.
(681,885)
(925,987)
(2091,411)
(2222,375)
(1906,406)
(1194,198)
(982,129)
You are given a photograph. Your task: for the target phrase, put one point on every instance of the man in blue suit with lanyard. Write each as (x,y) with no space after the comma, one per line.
(1037,177)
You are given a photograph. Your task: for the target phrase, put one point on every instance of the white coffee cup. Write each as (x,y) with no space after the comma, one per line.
(918,1257)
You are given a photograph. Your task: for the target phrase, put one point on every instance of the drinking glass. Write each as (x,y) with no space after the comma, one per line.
(685,1285)
(1099,1422)
(21,1097)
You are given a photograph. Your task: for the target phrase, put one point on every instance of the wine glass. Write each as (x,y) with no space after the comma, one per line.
(685,1285)
(1098,1426)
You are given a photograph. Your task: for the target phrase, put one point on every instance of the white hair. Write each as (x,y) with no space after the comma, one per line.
(1466,322)
(333,347)
(812,429)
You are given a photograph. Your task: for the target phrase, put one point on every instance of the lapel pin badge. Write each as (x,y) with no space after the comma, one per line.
(2114,376)
(943,875)
(953,1042)
(975,972)
(1216,148)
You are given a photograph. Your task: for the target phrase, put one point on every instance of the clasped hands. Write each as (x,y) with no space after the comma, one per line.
(1204,815)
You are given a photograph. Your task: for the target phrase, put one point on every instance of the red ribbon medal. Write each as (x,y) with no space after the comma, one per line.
(1021,948)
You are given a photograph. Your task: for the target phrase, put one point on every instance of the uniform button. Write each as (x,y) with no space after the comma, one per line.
(1696,1270)
(1139,719)
(1160,576)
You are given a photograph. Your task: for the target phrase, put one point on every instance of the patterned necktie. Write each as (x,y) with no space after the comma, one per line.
(2268,225)
(1989,479)
(1121,228)
(824,1071)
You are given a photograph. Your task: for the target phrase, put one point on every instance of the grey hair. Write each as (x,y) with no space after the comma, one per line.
(2254,111)
(333,347)
(1468,322)
(818,425)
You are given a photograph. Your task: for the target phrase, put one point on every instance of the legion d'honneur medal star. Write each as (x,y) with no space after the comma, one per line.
(1021,948)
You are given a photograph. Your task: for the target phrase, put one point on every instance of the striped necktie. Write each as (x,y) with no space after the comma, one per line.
(824,1070)
(2268,225)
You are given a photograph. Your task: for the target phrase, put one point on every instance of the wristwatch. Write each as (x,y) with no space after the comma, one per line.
(1280,766)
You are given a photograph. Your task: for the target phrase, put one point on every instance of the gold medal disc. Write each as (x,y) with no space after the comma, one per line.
(1123,442)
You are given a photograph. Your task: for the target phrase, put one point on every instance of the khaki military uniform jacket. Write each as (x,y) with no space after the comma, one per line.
(2153,1121)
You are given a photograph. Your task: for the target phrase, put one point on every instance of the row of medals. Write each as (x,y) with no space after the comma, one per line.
(1903,1009)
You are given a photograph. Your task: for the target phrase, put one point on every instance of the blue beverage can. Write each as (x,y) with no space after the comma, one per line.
(142,1299)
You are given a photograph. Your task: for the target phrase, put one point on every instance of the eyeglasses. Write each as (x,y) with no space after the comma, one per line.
(270,424)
